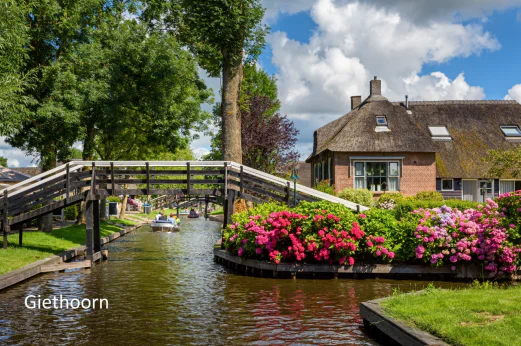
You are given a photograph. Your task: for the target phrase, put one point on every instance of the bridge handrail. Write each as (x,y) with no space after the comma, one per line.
(77,165)
(39,179)
(300,188)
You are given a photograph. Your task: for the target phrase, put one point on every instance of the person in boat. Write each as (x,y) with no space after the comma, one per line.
(174,220)
(160,216)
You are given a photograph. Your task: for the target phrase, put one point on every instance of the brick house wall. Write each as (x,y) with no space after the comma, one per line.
(418,171)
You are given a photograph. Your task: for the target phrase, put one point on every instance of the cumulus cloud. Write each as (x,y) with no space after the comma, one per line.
(418,11)
(15,157)
(514,93)
(355,41)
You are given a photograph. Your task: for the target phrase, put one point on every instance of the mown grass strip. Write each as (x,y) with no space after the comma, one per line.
(480,315)
(40,245)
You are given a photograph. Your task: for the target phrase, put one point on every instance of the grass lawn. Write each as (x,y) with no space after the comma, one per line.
(218,212)
(39,245)
(479,315)
(152,215)
(123,222)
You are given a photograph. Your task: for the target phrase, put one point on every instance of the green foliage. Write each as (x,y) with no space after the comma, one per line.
(510,204)
(217,32)
(360,196)
(260,209)
(324,186)
(114,199)
(256,83)
(505,163)
(71,212)
(3,161)
(14,42)
(406,206)
(395,196)
(429,195)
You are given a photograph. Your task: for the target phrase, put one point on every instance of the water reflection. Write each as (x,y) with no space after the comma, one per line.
(164,288)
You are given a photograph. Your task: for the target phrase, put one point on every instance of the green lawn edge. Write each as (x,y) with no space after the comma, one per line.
(478,316)
(40,245)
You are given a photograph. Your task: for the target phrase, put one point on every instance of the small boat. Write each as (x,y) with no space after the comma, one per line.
(193,215)
(164,226)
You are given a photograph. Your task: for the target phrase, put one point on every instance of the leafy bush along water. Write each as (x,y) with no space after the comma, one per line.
(314,232)
(359,196)
(429,195)
(325,232)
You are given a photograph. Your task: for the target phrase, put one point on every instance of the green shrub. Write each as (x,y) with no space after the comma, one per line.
(114,199)
(389,200)
(359,196)
(404,207)
(71,212)
(429,195)
(398,234)
(324,186)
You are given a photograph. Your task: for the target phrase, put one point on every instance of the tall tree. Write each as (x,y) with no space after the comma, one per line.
(3,161)
(504,163)
(267,138)
(222,34)
(14,39)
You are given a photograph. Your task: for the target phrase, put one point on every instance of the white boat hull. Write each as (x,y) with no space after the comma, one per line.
(164,227)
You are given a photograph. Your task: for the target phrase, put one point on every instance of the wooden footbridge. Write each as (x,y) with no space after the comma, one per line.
(77,181)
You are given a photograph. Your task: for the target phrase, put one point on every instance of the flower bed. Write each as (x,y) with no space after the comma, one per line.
(324,232)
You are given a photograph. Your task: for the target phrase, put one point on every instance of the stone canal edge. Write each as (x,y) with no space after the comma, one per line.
(38,267)
(391,331)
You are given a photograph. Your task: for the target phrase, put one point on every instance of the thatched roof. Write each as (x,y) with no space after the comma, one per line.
(473,125)
(31,171)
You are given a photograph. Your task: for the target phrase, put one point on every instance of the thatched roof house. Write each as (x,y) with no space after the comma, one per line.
(417,146)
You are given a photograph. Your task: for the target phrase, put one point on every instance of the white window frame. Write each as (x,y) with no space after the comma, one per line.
(442,189)
(398,176)
(514,180)
(510,126)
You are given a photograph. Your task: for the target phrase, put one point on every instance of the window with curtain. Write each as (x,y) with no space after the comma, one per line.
(377,176)
(509,186)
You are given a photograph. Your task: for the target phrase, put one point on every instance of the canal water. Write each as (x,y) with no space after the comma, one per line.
(165,289)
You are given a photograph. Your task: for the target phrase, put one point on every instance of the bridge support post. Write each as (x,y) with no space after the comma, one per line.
(20,235)
(206,207)
(93,241)
(228,207)
(5,220)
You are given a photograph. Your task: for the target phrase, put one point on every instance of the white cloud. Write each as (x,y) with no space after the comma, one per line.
(355,41)
(514,93)
(15,157)
(276,7)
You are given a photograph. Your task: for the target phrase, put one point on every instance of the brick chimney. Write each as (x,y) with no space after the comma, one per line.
(375,87)
(355,101)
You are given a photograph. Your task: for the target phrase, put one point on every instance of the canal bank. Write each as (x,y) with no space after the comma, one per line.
(166,289)
(47,264)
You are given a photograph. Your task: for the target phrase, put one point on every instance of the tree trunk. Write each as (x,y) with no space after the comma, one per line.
(48,163)
(231,115)
(123,207)
(87,155)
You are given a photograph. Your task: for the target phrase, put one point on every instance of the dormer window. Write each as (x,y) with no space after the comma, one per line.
(439,132)
(381,120)
(511,131)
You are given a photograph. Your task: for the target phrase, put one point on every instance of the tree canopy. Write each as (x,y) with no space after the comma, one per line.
(222,34)
(267,138)
(3,161)
(505,163)
(101,78)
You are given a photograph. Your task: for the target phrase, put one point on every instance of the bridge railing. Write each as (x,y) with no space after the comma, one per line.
(69,183)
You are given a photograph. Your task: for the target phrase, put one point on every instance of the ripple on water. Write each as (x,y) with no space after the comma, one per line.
(164,288)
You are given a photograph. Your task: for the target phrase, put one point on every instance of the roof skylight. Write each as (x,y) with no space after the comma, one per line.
(381,120)
(439,132)
(511,131)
